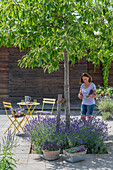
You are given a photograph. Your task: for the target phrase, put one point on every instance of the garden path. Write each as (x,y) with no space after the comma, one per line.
(36,161)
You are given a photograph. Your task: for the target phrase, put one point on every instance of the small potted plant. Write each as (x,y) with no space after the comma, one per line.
(75,154)
(18,112)
(51,150)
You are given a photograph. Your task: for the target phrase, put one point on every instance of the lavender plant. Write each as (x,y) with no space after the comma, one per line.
(7,162)
(40,130)
(51,146)
(91,133)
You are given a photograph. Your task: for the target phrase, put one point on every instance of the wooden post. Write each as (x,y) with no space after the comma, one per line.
(66,87)
(59,108)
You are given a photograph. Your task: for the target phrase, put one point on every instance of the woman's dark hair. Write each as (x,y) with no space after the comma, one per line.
(86,75)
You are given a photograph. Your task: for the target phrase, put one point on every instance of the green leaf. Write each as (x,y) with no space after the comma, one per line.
(57,25)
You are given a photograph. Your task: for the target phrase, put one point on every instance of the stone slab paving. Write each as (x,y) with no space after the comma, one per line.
(29,161)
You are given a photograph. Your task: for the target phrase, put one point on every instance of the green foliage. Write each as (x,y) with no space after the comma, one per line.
(77,149)
(106,115)
(106,67)
(104,92)
(46,28)
(106,108)
(106,105)
(7,162)
(99,148)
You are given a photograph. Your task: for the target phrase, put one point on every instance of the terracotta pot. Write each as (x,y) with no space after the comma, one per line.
(51,155)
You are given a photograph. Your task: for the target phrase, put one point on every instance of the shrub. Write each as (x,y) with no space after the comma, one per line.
(91,133)
(106,108)
(7,161)
(44,129)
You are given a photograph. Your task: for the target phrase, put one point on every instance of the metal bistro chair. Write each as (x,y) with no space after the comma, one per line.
(15,121)
(46,101)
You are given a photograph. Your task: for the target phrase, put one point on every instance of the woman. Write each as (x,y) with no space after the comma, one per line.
(87,94)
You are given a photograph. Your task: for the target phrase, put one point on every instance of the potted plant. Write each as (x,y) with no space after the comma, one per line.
(51,150)
(75,154)
(18,112)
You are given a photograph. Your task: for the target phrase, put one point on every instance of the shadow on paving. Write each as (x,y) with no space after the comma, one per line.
(23,135)
(103,161)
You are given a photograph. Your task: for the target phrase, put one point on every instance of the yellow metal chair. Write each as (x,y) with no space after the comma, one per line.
(15,122)
(46,102)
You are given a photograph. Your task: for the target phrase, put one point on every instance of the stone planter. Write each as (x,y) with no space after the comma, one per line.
(74,157)
(51,155)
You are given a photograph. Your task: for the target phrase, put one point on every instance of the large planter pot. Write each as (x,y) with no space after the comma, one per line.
(74,157)
(51,155)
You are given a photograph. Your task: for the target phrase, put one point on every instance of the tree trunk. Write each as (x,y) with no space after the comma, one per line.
(66,87)
(59,109)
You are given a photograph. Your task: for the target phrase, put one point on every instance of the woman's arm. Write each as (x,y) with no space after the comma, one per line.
(93,95)
(80,96)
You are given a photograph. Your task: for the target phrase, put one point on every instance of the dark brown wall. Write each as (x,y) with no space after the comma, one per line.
(16,82)
(4,74)
(37,84)
(75,73)
(110,80)
(96,75)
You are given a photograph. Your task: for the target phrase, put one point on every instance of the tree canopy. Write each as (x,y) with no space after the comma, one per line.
(47,27)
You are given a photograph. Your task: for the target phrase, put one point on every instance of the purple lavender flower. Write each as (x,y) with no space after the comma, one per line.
(88,133)
(51,146)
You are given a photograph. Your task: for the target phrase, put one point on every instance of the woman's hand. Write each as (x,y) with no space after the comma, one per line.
(93,95)
(89,95)
(80,96)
